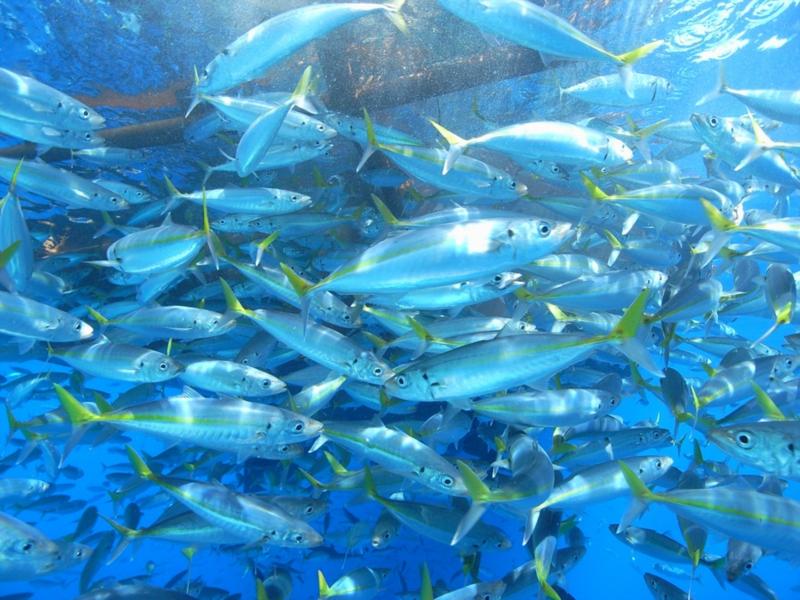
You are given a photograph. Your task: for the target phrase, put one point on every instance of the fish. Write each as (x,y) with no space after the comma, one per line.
(244,428)
(275,39)
(532,26)
(783,105)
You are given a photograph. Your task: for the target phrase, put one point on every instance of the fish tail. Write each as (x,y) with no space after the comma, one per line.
(718,221)
(478,491)
(121,529)
(303,86)
(543,559)
(214,244)
(456,149)
(763,143)
(139,466)
(262,246)
(231,301)
(13,424)
(393,14)
(173,191)
(629,58)
(717,90)
(624,334)
(372,142)
(101,320)
(304,290)
(337,467)
(386,213)
(425,586)
(324,589)
(626,61)
(594,190)
(78,414)
(637,486)
(8,253)
(616,247)
(197,97)
(369,485)
(313,480)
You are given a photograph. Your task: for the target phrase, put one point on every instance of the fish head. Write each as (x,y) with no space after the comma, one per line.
(784,367)
(369,368)
(83,139)
(155,366)
(35,552)
(650,468)
(496,540)
(259,383)
(212,324)
(537,235)
(301,536)
(502,280)
(740,441)
(618,152)
(607,401)
(80,113)
(447,481)
(73,554)
(79,330)
(299,428)
(490,590)
(383,534)
(36,486)
(411,384)
(654,280)
(740,558)
(547,169)
(710,128)
(277,451)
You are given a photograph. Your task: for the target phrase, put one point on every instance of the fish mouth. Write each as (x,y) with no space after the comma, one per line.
(96,121)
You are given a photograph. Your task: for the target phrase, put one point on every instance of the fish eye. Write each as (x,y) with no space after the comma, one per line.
(744,439)
(544,229)
(309,509)
(377,371)
(299,538)
(77,326)
(713,121)
(346,317)
(27,546)
(87,135)
(514,184)
(658,464)
(163,366)
(555,169)
(205,72)
(298,427)
(497,278)
(265,383)
(447,481)
(85,113)
(295,198)
(748,565)
(401,381)
(320,127)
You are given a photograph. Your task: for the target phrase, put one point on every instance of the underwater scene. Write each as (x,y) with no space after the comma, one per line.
(403,299)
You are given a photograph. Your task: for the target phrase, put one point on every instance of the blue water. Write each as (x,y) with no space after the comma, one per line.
(133,61)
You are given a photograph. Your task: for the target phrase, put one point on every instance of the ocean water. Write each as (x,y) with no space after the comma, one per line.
(133,62)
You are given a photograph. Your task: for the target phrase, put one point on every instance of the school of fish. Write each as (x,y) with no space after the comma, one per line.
(413,348)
